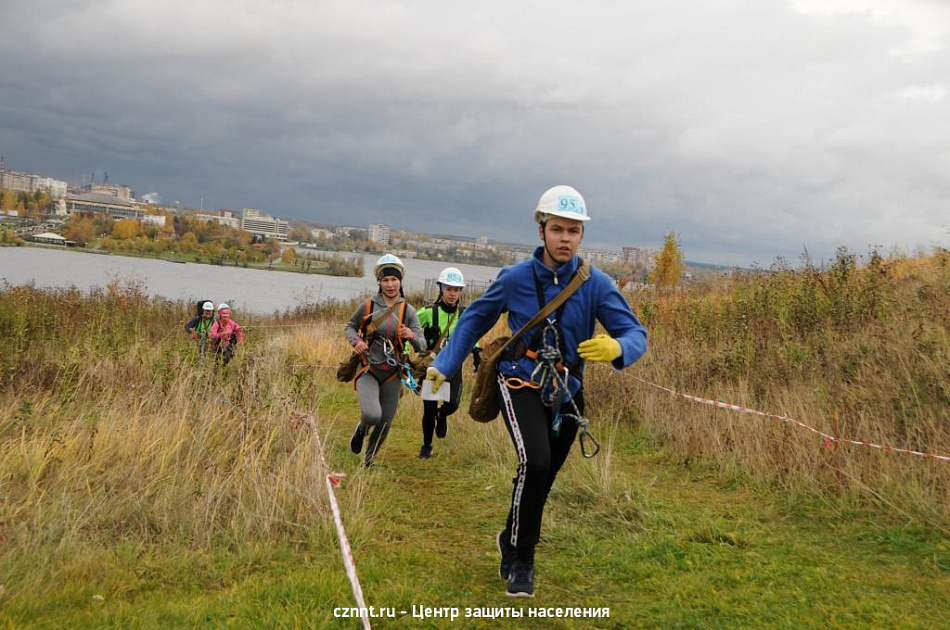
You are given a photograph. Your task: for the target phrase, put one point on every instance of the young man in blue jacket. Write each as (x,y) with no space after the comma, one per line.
(540,404)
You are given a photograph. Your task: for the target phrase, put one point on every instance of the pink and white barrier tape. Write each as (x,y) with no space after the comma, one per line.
(828,439)
(332,480)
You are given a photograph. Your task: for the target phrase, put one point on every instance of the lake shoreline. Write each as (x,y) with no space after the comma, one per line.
(247,289)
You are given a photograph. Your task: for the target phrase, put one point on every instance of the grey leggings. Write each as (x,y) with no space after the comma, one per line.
(377,410)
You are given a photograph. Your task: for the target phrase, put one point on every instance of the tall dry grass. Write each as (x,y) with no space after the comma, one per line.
(112,428)
(858,350)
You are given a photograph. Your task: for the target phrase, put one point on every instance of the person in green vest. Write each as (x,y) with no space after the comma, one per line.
(199,325)
(438,322)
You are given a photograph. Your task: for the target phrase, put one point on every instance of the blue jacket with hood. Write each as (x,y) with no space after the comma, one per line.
(515,292)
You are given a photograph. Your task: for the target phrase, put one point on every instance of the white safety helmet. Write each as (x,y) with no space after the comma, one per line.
(561,201)
(451,277)
(224,308)
(207,306)
(388,261)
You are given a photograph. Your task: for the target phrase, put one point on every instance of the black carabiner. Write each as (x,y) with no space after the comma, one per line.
(584,446)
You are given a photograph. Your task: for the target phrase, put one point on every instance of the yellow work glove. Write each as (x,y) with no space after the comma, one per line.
(436,377)
(600,348)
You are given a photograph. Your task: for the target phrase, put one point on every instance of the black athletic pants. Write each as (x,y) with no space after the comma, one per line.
(432,408)
(540,456)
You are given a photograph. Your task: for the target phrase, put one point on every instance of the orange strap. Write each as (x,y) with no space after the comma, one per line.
(533,355)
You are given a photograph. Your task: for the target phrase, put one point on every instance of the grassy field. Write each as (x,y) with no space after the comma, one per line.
(142,487)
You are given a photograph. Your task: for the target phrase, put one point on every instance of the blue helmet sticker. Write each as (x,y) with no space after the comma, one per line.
(570,203)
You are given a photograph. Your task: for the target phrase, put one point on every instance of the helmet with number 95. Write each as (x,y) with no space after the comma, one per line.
(451,277)
(561,201)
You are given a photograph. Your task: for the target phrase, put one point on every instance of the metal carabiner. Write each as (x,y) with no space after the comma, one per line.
(408,380)
(388,353)
(540,367)
(584,446)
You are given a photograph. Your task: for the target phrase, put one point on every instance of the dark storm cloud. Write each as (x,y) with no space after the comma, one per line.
(752,131)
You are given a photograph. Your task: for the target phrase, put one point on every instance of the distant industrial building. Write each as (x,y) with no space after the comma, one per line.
(115,190)
(379,233)
(262,225)
(112,207)
(109,205)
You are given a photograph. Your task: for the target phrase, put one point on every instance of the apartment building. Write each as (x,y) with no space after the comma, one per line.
(639,256)
(54,187)
(19,182)
(599,256)
(379,233)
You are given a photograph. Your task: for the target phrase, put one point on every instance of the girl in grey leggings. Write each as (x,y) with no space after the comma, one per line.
(379,378)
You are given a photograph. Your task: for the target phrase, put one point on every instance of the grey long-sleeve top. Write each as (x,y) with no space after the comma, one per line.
(384,344)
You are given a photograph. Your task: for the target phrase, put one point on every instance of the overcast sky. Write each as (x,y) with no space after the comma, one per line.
(753,129)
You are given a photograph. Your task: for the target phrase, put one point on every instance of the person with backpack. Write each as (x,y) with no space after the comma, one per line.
(539,384)
(438,321)
(199,325)
(378,380)
(225,334)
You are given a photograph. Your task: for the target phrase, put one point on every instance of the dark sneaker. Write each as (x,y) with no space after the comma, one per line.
(521,580)
(441,426)
(507,555)
(356,442)
(425,452)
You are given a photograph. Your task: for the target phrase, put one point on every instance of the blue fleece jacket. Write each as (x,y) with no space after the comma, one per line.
(515,292)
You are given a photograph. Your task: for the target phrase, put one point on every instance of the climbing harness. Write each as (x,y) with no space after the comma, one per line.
(389,352)
(550,378)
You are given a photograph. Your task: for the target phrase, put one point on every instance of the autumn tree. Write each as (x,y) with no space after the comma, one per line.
(125,228)
(80,229)
(288,255)
(299,233)
(272,248)
(188,242)
(668,262)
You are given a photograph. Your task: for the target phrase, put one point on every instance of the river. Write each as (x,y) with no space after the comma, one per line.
(250,290)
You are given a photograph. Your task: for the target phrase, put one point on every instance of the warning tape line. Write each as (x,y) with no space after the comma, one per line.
(828,439)
(333,480)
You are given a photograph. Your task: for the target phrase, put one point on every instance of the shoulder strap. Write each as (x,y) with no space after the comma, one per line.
(368,307)
(373,325)
(583,273)
(448,327)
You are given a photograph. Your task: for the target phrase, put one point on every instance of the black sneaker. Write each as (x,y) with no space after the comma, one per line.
(441,426)
(521,580)
(507,555)
(425,452)
(356,442)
